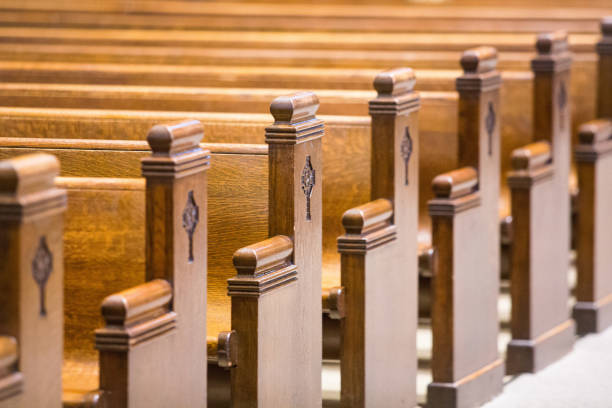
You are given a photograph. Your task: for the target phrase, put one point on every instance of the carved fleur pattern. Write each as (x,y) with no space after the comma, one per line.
(42,266)
(490,125)
(562,101)
(308,183)
(406,150)
(191,217)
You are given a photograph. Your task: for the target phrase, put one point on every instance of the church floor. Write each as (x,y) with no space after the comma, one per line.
(582,379)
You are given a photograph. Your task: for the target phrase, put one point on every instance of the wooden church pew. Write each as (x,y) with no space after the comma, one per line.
(379,258)
(328,17)
(31,282)
(242,223)
(466,367)
(152,347)
(593,290)
(542,331)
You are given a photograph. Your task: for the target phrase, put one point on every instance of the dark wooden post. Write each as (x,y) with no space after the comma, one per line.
(466,367)
(541,330)
(295,210)
(380,248)
(593,309)
(176,224)
(604,87)
(264,317)
(479,140)
(31,281)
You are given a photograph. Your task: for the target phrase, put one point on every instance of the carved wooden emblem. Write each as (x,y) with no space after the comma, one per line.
(490,125)
(406,150)
(308,182)
(42,266)
(562,102)
(191,217)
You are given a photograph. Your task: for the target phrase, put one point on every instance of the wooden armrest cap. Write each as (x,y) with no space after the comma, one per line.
(28,173)
(294,108)
(531,155)
(125,305)
(358,219)
(395,82)
(169,139)
(455,183)
(263,255)
(479,60)
(595,131)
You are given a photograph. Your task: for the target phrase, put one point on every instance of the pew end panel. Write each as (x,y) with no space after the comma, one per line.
(295,210)
(467,370)
(541,330)
(593,309)
(136,347)
(264,314)
(32,273)
(376,360)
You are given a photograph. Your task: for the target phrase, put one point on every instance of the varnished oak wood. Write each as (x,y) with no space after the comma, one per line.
(466,368)
(593,309)
(330,17)
(542,331)
(31,282)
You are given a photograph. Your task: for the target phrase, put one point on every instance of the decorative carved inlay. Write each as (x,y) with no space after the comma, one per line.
(490,124)
(406,150)
(191,217)
(308,182)
(42,266)
(562,102)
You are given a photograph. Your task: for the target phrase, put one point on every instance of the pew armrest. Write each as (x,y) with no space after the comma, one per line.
(223,349)
(456,183)
(136,315)
(367,226)
(531,156)
(333,302)
(11,380)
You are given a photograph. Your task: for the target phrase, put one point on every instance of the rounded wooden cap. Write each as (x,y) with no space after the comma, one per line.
(395,82)
(294,108)
(28,173)
(552,42)
(176,137)
(479,60)
(606,26)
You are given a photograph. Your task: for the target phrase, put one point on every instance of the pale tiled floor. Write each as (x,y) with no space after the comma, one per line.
(331,369)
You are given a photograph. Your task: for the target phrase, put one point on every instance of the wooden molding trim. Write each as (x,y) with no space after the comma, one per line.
(136,315)
(479,71)
(333,302)
(27,187)
(262,267)
(395,93)
(176,150)
(368,226)
(295,119)
(595,140)
(552,53)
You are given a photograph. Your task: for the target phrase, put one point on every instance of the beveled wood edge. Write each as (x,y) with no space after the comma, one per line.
(531,156)
(136,315)
(449,207)
(455,183)
(333,302)
(525,179)
(100,183)
(262,267)
(367,226)
(124,145)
